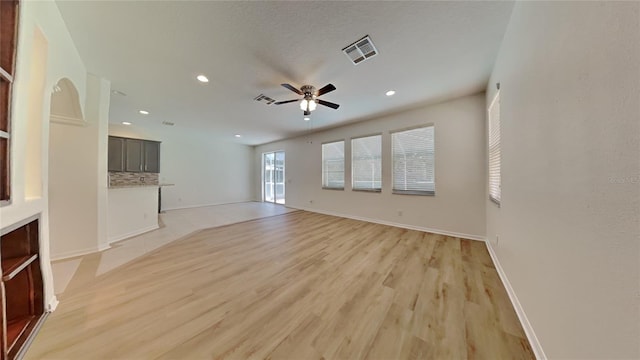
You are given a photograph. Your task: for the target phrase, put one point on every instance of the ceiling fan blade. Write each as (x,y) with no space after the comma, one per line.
(290,87)
(327,88)
(327,103)
(307,113)
(285,102)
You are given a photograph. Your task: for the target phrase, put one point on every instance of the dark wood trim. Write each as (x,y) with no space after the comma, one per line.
(9,24)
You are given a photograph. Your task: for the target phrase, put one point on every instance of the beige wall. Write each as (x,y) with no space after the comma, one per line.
(568,227)
(458,206)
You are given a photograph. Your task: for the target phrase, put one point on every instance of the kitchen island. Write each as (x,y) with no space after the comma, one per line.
(133,210)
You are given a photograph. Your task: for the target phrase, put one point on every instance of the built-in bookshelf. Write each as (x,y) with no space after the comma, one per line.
(22,288)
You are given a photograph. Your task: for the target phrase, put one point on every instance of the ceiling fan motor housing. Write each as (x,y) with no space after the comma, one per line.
(308,91)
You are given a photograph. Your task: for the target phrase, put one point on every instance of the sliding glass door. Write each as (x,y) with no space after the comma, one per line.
(273,177)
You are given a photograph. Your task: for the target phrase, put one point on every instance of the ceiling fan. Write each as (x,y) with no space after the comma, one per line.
(310,97)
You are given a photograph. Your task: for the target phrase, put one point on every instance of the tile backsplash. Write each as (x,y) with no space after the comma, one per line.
(132,179)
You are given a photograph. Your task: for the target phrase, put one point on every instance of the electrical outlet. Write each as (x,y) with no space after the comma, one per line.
(310,201)
(399,212)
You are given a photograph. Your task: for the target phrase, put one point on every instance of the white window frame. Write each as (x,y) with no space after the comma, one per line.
(325,180)
(494,151)
(393,165)
(373,158)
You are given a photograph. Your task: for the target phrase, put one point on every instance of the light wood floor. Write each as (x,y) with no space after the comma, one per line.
(296,286)
(174,225)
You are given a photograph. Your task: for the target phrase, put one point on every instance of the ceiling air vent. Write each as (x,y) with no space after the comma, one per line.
(168,123)
(360,50)
(264,98)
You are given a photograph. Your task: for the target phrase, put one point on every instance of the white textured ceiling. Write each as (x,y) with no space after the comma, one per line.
(152,51)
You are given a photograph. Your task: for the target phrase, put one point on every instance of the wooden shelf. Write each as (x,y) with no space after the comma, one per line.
(21,332)
(17,327)
(11,267)
(22,296)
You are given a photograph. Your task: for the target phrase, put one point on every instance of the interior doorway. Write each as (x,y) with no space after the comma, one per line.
(273,177)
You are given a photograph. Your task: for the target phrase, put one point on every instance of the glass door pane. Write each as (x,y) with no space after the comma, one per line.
(268,184)
(279,177)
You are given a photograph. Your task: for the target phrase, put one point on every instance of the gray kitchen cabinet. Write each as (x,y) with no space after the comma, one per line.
(151,156)
(116,154)
(133,159)
(133,155)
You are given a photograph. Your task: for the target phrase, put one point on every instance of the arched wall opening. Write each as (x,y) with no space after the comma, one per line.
(72,175)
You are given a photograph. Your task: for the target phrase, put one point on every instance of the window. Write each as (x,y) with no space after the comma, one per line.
(494,150)
(366,163)
(8,32)
(333,165)
(414,161)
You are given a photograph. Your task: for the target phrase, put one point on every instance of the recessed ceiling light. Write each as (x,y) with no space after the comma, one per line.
(237,135)
(307,118)
(144,112)
(202,78)
(126,123)
(390,93)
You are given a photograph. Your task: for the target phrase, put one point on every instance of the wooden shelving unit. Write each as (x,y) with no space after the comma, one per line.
(8,42)
(22,290)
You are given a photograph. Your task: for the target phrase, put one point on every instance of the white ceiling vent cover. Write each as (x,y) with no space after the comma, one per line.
(360,50)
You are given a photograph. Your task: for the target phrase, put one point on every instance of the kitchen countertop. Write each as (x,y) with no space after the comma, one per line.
(133,186)
(138,186)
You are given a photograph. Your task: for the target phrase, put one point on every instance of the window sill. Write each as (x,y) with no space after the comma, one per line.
(332,188)
(368,190)
(413,192)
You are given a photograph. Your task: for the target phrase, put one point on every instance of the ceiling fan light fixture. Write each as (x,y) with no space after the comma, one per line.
(306,118)
(312,105)
(303,104)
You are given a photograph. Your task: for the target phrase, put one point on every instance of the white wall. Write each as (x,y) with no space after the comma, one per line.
(132,211)
(62,61)
(569,223)
(205,171)
(72,191)
(77,178)
(458,206)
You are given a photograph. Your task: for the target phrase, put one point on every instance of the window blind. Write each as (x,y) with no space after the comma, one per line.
(494,150)
(414,161)
(333,165)
(366,163)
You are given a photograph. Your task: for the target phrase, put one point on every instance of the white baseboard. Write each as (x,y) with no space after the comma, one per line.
(104,247)
(204,205)
(132,233)
(53,304)
(526,326)
(390,223)
(74,253)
